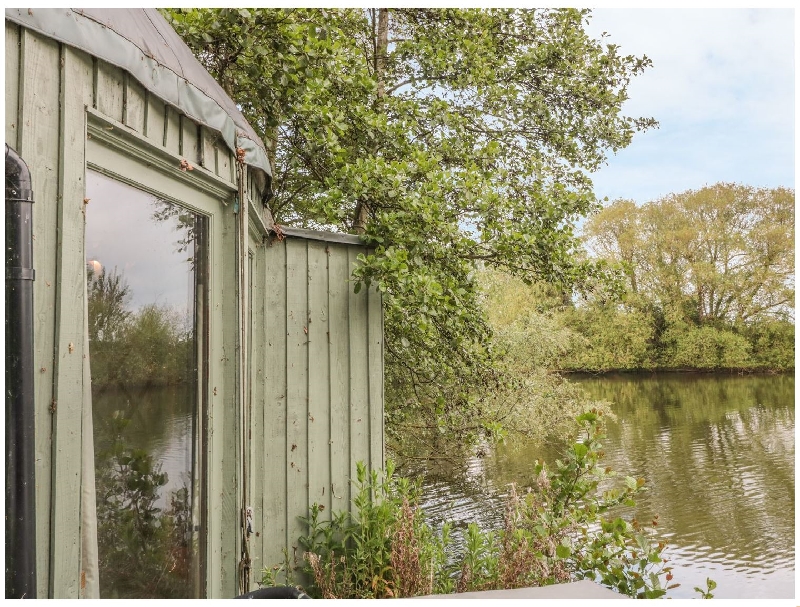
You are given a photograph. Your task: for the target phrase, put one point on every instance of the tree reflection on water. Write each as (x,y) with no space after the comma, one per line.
(140,379)
(153,346)
(144,345)
(145,551)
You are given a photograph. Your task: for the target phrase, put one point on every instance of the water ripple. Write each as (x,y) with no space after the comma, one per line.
(718,458)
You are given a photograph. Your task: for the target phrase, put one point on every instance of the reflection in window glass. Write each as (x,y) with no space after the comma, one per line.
(146,288)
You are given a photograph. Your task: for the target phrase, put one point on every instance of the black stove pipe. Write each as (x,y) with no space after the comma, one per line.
(20,446)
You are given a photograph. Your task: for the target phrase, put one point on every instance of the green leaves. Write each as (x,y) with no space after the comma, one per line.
(707,592)
(555,532)
(451,139)
(708,271)
(726,249)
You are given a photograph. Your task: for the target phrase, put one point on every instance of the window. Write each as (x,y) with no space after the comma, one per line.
(147,277)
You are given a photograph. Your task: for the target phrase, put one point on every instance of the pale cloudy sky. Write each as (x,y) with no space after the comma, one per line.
(722,87)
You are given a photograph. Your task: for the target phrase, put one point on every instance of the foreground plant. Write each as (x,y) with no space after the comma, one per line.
(144,551)
(574,511)
(707,593)
(384,549)
(567,527)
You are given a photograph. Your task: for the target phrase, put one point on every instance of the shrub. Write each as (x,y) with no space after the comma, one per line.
(567,527)
(144,551)
(711,348)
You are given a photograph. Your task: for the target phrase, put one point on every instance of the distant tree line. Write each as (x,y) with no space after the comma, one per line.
(153,346)
(706,283)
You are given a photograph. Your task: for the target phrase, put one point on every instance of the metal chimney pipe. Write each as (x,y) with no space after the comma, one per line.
(20,446)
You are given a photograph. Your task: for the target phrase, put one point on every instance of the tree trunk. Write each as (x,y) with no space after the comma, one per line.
(381,52)
(271,144)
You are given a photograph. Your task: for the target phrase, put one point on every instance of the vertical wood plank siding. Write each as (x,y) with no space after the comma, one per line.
(209,151)
(135,104)
(48,86)
(317,362)
(339,347)
(296,385)
(374,364)
(189,149)
(225,476)
(258,490)
(70,327)
(110,92)
(12,84)
(319,424)
(39,146)
(172,130)
(154,120)
(359,377)
(324,389)
(274,449)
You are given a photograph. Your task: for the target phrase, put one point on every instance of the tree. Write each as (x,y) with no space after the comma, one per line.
(724,253)
(109,296)
(710,275)
(614,234)
(151,346)
(448,138)
(143,550)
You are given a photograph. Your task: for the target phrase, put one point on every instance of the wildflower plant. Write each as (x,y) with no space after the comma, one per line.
(569,526)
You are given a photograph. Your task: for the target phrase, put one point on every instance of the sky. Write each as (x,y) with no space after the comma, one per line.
(722,88)
(122,237)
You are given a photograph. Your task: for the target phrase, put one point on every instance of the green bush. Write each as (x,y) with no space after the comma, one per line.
(773,344)
(567,527)
(711,348)
(611,339)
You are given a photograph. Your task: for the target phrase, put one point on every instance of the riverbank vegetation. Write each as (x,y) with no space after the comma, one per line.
(146,547)
(564,528)
(706,282)
(151,346)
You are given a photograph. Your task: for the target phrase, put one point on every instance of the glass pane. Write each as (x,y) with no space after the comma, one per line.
(147,301)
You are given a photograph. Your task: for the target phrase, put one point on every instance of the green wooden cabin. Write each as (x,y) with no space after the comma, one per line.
(201,377)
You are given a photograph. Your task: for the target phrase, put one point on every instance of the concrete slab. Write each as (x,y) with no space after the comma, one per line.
(583,589)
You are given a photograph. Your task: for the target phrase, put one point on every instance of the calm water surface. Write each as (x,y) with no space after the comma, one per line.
(718,455)
(717,452)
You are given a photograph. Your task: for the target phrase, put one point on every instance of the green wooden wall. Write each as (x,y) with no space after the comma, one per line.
(49,87)
(321,370)
(315,393)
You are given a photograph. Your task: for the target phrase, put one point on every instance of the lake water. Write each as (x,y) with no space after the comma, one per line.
(718,455)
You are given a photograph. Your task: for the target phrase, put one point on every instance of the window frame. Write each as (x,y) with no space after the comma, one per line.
(118,152)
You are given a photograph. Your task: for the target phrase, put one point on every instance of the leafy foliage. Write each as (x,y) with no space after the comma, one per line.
(566,527)
(356,557)
(448,138)
(144,551)
(707,592)
(527,398)
(530,339)
(610,338)
(109,296)
(152,346)
(626,333)
(710,277)
(726,251)
(673,311)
